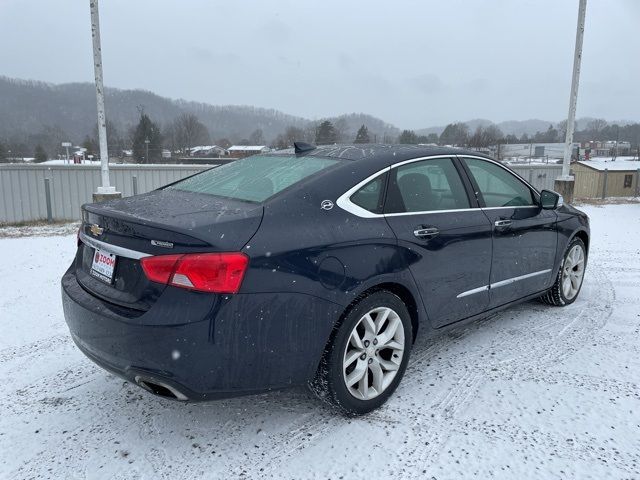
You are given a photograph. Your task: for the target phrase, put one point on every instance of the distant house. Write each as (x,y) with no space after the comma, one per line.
(608,148)
(241,151)
(607,177)
(207,151)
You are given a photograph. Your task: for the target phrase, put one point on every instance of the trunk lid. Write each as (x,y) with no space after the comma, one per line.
(157,223)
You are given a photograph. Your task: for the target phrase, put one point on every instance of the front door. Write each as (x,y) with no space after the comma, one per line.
(447,237)
(524,235)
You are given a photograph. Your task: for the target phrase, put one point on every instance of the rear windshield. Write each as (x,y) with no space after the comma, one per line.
(254,179)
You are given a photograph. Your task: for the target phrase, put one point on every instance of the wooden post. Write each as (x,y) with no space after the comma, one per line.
(604,183)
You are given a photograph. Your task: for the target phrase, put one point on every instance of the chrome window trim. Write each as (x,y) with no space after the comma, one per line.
(345,203)
(430,212)
(502,283)
(512,206)
(116,250)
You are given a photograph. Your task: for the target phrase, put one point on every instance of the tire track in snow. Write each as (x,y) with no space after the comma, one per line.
(34,349)
(522,347)
(584,449)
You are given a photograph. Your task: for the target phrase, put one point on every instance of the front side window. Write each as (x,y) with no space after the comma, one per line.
(424,186)
(628,180)
(498,187)
(256,178)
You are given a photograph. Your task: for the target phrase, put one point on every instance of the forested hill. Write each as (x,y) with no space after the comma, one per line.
(30,108)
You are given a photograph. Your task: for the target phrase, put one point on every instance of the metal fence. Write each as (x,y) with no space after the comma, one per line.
(24,188)
(41,192)
(540,176)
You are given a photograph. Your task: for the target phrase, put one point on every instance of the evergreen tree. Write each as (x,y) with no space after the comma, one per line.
(326,134)
(408,137)
(91,145)
(3,153)
(363,135)
(40,155)
(147,130)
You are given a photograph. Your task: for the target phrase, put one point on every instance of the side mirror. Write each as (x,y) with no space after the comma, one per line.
(550,200)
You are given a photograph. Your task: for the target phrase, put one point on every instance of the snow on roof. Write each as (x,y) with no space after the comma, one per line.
(204,147)
(247,147)
(619,164)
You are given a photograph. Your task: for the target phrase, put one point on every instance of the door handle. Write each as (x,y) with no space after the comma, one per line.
(502,223)
(426,233)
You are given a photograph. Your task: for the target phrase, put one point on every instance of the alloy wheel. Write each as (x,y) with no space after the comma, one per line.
(374,353)
(573,272)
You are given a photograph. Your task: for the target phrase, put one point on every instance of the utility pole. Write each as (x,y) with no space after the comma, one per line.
(565,184)
(105,191)
(146,145)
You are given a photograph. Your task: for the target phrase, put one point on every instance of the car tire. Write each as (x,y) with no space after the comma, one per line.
(367,355)
(570,277)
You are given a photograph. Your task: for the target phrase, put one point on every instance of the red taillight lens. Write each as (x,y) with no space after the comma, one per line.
(159,269)
(204,272)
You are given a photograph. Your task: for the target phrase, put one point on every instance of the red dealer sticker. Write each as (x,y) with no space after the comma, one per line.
(103,265)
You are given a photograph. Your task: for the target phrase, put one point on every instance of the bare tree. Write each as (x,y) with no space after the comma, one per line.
(257,137)
(596,126)
(187,131)
(290,135)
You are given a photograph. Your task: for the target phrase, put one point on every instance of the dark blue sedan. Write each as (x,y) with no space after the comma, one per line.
(312,266)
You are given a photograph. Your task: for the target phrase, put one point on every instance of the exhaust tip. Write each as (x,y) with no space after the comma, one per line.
(161,389)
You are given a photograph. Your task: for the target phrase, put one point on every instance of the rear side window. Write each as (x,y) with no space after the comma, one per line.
(498,187)
(370,196)
(254,179)
(424,186)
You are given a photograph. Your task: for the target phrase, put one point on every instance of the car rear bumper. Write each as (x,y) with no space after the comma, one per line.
(195,346)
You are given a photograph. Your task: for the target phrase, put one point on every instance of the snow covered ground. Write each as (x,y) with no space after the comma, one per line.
(533,392)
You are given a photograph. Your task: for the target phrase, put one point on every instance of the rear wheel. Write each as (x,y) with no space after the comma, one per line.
(569,281)
(364,362)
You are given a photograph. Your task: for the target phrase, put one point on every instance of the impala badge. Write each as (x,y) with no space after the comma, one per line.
(96,230)
(160,243)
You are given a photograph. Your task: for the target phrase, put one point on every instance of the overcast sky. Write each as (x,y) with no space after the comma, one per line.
(413,63)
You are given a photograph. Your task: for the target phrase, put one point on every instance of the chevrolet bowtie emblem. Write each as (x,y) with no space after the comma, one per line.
(96,230)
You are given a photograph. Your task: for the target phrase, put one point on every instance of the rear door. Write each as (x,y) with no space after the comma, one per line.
(449,237)
(524,235)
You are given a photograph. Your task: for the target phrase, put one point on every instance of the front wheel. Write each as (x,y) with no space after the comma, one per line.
(569,281)
(363,364)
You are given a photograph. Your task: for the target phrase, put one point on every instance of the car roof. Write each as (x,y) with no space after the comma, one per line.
(379,153)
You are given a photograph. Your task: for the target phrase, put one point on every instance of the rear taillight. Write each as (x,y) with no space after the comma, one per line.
(204,272)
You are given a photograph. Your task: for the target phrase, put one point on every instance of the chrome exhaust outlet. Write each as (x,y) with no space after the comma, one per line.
(160,388)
